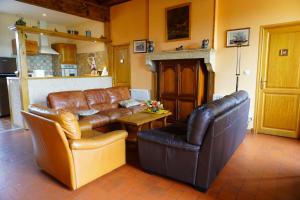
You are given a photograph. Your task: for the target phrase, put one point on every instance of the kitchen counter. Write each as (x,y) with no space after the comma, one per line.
(63,77)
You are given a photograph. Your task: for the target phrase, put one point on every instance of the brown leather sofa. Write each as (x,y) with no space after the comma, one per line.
(196,151)
(72,155)
(106,101)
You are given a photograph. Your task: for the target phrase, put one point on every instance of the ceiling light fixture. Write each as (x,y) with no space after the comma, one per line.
(44,15)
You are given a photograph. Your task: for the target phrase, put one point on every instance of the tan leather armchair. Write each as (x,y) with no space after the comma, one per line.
(77,161)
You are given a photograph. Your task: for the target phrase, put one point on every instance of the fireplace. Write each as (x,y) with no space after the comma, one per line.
(185,79)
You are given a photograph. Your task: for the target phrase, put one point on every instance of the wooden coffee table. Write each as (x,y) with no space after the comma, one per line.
(138,120)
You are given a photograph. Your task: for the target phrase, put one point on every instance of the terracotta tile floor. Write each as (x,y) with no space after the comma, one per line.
(264,167)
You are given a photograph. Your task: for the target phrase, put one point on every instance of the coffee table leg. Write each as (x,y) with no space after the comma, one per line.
(151,125)
(139,128)
(164,121)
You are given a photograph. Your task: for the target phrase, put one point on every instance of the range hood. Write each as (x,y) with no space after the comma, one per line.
(43,41)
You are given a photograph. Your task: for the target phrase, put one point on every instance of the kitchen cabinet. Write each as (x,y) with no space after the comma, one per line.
(31,47)
(66,51)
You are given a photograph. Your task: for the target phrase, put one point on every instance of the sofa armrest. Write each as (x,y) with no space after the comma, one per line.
(85,125)
(98,141)
(167,139)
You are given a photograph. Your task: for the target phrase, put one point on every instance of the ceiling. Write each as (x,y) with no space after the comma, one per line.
(105,2)
(35,12)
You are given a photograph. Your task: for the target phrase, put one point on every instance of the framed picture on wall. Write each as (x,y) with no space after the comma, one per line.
(178,23)
(237,37)
(139,46)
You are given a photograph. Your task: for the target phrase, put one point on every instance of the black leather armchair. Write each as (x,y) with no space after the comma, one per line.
(196,151)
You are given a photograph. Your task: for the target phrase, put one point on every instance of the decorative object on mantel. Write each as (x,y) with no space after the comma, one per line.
(180,48)
(20,22)
(139,46)
(238,38)
(150,46)
(205,43)
(178,26)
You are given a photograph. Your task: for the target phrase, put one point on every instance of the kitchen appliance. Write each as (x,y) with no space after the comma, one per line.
(43,41)
(68,70)
(8,67)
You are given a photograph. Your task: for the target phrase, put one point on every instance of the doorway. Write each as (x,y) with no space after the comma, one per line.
(278,82)
(121,66)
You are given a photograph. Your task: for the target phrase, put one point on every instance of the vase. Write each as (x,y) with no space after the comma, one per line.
(150,46)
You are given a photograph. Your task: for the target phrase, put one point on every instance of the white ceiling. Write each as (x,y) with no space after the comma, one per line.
(35,12)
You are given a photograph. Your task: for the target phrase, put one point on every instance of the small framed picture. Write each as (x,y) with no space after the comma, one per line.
(237,37)
(139,46)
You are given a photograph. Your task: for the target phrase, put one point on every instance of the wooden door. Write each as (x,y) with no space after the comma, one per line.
(187,88)
(168,87)
(178,87)
(279,87)
(121,66)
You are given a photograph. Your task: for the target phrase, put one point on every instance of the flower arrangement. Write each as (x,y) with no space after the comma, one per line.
(154,106)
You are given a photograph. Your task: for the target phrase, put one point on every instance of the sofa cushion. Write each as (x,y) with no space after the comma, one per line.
(96,120)
(198,124)
(104,106)
(72,101)
(129,103)
(240,96)
(118,94)
(220,106)
(97,96)
(136,109)
(67,120)
(114,114)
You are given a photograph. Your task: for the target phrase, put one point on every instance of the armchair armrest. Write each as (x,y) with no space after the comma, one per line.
(97,141)
(85,125)
(167,139)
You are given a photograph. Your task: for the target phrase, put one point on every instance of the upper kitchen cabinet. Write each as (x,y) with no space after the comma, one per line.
(66,51)
(31,47)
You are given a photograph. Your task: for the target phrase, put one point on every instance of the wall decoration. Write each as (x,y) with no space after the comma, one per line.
(139,46)
(237,37)
(178,26)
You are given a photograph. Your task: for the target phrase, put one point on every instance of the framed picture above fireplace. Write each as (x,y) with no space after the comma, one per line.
(178,24)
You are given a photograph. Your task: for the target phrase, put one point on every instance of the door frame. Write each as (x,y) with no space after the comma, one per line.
(261,46)
(112,48)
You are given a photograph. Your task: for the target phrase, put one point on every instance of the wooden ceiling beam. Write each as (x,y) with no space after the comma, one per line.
(88,9)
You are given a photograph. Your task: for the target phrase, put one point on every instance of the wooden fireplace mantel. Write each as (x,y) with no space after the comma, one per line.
(207,54)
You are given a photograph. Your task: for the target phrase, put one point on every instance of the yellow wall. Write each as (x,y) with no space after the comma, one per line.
(233,14)
(129,21)
(202,15)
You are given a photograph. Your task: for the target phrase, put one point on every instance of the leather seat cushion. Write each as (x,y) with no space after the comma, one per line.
(96,120)
(240,96)
(136,109)
(118,94)
(69,100)
(97,97)
(198,123)
(114,114)
(104,106)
